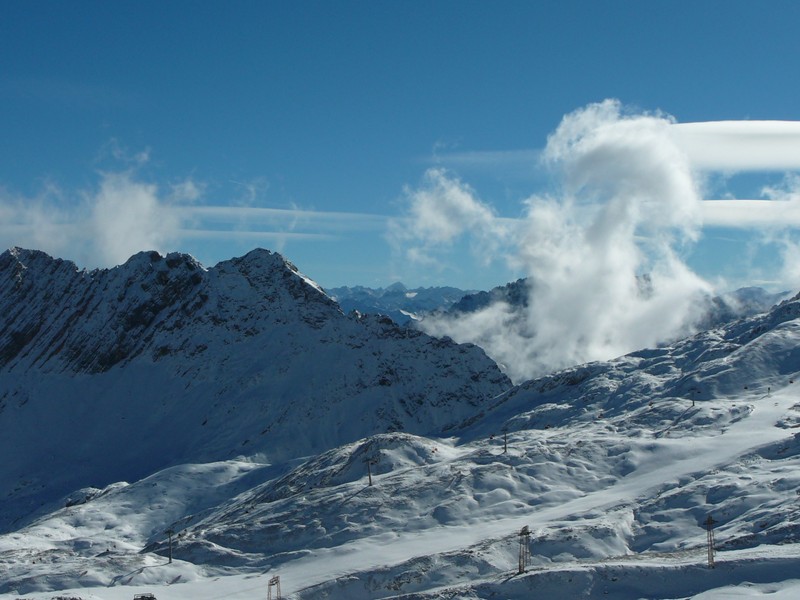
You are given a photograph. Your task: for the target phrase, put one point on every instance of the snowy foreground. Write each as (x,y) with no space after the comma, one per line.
(611,515)
(257,446)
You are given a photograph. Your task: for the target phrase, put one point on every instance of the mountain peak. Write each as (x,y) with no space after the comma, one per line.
(169,261)
(25,257)
(247,356)
(396,287)
(66,319)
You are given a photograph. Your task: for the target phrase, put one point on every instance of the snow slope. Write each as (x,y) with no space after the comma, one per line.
(613,466)
(161,362)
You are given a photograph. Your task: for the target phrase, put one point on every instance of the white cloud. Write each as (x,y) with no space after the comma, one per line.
(502,330)
(752,214)
(444,208)
(628,204)
(124,214)
(319,221)
(629,201)
(778,209)
(740,145)
(187,190)
(128,216)
(98,227)
(250,191)
(441,212)
(508,166)
(790,256)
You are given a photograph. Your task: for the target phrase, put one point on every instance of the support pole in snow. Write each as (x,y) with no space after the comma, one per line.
(276,583)
(710,539)
(524,548)
(370,462)
(170,533)
(505,440)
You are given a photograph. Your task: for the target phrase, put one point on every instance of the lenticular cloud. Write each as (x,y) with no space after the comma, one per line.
(602,254)
(741,145)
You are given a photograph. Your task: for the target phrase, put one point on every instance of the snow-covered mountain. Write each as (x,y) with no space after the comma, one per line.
(613,467)
(721,309)
(112,375)
(515,294)
(397,301)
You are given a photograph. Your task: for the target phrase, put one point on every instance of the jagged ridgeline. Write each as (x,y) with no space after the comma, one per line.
(110,375)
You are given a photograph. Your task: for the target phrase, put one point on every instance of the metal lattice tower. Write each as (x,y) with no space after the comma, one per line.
(370,463)
(276,583)
(709,522)
(524,548)
(170,533)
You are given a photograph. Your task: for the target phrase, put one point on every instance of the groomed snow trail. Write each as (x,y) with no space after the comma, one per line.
(670,460)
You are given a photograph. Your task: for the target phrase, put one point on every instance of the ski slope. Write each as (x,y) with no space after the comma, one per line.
(661,464)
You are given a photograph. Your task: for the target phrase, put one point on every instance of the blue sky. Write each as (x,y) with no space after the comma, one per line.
(329,131)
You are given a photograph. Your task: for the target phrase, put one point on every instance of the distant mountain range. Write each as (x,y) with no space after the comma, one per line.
(397,301)
(406,306)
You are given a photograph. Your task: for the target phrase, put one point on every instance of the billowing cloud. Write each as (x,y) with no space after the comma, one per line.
(127,216)
(790,256)
(602,256)
(97,227)
(444,208)
(439,213)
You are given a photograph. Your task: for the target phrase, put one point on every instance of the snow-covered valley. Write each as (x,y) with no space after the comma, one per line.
(258,452)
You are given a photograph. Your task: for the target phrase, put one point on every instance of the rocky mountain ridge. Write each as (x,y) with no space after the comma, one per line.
(248,357)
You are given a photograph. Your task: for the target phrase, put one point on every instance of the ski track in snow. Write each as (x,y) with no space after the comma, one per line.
(704,454)
(681,457)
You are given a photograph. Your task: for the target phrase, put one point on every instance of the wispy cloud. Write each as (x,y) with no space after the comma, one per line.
(279,237)
(439,213)
(291,218)
(726,146)
(125,214)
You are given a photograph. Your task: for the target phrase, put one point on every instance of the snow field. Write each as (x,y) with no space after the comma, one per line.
(439,513)
(261,464)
